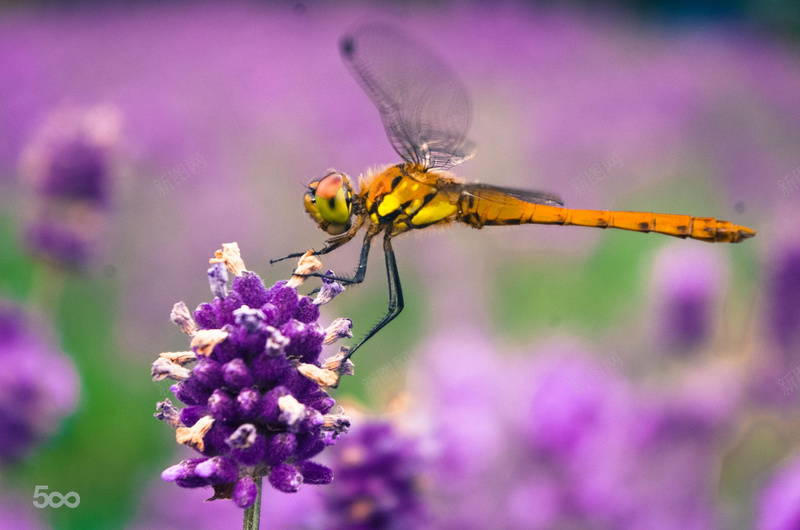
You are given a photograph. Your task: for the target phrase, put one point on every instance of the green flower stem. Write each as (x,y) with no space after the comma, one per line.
(252,515)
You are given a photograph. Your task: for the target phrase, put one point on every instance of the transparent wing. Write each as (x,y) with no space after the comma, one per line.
(507,196)
(423,105)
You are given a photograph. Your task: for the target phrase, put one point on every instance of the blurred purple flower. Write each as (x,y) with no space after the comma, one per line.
(677,441)
(378,480)
(256,405)
(575,437)
(561,438)
(776,372)
(619,456)
(38,386)
(457,378)
(687,286)
(534,503)
(784,300)
(573,400)
(68,166)
(16,514)
(459,374)
(779,502)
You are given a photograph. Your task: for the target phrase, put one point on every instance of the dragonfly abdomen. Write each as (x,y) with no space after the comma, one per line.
(706,229)
(511,211)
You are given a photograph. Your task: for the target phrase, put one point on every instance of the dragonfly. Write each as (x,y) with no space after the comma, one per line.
(426,114)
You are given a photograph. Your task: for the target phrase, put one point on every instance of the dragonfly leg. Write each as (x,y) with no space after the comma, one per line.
(361,271)
(331,244)
(325,250)
(396,303)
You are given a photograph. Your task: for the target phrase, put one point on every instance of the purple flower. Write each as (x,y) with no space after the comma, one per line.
(777,372)
(615,455)
(255,399)
(675,446)
(687,284)
(534,503)
(784,300)
(68,166)
(562,438)
(578,414)
(779,502)
(378,480)
(17,513)
(574,400)
(458,377)
(165,507)
(39,385)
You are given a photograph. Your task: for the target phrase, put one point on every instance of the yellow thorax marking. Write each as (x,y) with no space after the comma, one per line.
(401,194)
(414,206)
(436,210)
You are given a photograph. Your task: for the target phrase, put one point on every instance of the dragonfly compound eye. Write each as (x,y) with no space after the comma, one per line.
(329,202)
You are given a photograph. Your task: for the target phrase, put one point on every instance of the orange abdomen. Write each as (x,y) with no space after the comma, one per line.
(513,211)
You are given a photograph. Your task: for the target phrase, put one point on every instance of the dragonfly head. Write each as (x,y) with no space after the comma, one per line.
(329,202)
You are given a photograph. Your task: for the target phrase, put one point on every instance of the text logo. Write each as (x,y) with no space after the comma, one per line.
(54,499)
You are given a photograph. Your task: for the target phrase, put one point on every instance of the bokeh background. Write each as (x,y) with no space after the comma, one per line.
(549,377)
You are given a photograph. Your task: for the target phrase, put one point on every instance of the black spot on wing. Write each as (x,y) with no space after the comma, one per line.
(347,46)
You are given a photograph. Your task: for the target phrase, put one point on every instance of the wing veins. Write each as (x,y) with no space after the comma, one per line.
(423,106)
(499,195)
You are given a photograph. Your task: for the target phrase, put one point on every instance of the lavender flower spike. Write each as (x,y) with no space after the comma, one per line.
(253,388)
